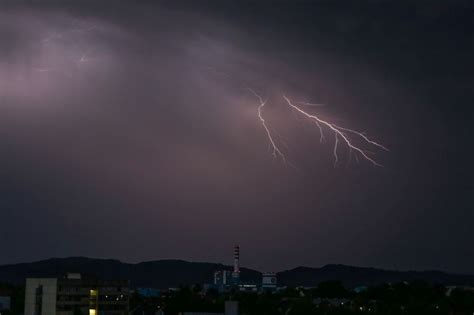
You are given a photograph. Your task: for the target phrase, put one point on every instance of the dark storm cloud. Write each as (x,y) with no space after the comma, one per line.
(128,131)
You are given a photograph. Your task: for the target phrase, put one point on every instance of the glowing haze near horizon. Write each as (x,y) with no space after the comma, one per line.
(144,131)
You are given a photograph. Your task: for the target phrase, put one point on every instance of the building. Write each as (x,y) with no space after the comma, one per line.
(5,303)
(269,281)
(224,279)
(73,295)
(148,292)
(248,287)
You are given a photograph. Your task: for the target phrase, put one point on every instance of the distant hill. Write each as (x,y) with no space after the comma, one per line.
(358,276)
(157,274)
(172,273)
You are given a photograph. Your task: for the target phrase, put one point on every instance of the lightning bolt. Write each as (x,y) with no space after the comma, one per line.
(339,133)
(276,151)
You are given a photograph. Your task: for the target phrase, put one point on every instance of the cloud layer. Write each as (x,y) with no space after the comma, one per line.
(129,131)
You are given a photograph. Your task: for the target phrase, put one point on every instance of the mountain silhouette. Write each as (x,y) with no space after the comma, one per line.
(173,273)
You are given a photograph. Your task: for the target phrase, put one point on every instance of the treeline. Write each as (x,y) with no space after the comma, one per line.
(415,298)
(329,298)
(17,298)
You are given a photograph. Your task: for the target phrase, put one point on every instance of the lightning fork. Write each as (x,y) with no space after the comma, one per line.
(339,133)
(276,151)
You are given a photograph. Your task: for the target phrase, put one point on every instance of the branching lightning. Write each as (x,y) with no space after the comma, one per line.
(339,133)
(356,142)
(276,151)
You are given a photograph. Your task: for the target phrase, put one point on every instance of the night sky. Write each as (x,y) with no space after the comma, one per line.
(128,131)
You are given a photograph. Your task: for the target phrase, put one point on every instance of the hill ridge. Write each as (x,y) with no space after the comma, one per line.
(166,273)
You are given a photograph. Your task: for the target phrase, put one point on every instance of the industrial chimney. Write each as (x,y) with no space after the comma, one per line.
(236,272)
(236,258)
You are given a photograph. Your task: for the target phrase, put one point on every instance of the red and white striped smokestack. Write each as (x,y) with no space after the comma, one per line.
(236,258)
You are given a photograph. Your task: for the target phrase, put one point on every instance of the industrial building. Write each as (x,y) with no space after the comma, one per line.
(73,295)
(269,281)
(226,278)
